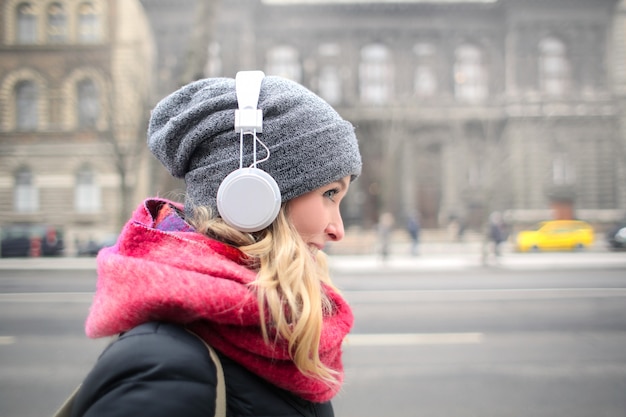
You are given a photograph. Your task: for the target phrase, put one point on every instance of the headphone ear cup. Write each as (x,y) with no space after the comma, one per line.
(248,199)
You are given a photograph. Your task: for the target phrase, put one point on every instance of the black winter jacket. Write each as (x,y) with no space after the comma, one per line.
(159,369)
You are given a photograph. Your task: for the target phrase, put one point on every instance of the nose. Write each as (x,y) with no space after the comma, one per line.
(334,229)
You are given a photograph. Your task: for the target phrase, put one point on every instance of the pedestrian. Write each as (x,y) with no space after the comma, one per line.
(413,229)
(385,227)
(456,228)
(238,265)
(497,232)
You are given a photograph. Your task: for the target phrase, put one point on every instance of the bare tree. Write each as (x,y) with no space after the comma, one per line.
(201,37)
(125,134)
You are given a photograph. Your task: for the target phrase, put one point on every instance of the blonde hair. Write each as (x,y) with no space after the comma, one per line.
(288,285)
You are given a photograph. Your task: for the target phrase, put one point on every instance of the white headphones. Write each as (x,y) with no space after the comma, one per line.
(249,199)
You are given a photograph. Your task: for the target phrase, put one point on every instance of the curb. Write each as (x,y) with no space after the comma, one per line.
(398,263)
(48,263)
(459,262)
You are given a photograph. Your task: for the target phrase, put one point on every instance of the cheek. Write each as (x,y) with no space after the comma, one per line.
(306,216)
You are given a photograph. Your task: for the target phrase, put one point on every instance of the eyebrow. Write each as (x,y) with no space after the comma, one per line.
(344,182)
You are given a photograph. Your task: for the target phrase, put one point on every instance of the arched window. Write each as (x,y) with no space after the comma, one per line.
(88,197)
(329,76)
(425,83)
(25,197)
(88,23)
(284,61)
(375,74)
(26,105)
(470,75)
(553,67)
(57,23)
(425,78)
(88,105)
(329,84)
(563,172)
(26,24)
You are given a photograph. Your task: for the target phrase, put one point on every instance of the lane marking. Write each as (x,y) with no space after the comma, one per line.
(47,297)
(7,340)
(386,296)
(377,296)
(413,339)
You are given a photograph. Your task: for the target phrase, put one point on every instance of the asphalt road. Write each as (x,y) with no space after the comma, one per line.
(482,342)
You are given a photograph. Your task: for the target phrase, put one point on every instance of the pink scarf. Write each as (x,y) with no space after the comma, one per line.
(180,276)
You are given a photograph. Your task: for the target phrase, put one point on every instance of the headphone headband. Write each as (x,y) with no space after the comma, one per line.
(248,199)
(248,119)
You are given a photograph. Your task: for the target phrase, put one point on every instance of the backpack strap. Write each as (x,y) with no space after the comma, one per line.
(66,408)
(220,391)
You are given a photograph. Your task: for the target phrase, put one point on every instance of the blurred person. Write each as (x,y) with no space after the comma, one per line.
(413,229)
(183,274)
(456,228)
(385,228)
(496,232)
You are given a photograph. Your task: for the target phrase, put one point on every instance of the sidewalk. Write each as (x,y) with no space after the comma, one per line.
(455,256)
(464,261)
(47,263)
(432,257)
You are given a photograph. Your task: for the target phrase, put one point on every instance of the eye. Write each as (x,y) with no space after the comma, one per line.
(331,194)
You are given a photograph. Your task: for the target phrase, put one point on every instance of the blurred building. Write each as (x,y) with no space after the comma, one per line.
(75,91)
(461,107)
(173,29)
(182,30)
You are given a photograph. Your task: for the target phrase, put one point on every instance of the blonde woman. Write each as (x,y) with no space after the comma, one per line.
(181,275)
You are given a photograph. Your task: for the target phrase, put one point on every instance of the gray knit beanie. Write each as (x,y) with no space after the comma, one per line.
(192,133)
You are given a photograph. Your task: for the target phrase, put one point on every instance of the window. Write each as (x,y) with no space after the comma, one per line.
(26,197)
(87,198)
(329,77)
(562,170)
(553,67)
(26,24)
(375,74)
(26,105)
(88,23)
(425,79)
(330,84)
(284,61)
(57,23)
(470,78)
(88,106)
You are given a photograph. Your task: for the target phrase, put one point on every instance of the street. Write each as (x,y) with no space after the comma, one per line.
(488,342)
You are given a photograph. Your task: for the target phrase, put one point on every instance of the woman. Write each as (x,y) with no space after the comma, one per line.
(181,274)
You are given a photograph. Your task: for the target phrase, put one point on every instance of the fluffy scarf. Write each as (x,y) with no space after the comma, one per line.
(161,269)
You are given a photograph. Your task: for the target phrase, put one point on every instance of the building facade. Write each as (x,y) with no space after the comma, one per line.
(75,89)
(461,108)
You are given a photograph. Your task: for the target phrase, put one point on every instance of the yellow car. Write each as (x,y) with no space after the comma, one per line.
(556,235)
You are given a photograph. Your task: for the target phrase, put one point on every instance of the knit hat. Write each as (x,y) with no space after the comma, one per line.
(192,133)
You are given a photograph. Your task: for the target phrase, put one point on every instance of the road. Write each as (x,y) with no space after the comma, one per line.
(488,342)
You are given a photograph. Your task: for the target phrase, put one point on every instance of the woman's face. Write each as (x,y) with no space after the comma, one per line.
(315,215)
